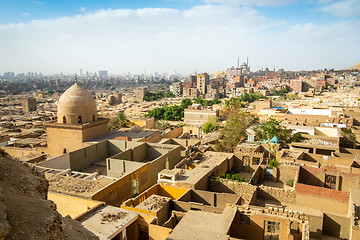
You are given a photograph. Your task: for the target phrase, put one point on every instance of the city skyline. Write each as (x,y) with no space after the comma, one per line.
(181,36)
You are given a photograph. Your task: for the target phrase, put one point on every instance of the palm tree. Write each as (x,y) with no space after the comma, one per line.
(122,119)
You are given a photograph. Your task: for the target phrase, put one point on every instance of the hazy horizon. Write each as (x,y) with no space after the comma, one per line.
(182,36)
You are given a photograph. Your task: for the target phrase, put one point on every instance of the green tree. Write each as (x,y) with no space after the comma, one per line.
(153,96)
(210,125)
(272,128)
(186,102)
(122,119)
(281,92)
(163,125)
(235,129)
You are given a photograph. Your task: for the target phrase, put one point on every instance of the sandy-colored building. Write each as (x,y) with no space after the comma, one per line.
(77,122)
(28,104)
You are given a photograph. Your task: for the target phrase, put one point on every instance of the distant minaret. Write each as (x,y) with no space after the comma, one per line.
(238,63)
(247,61)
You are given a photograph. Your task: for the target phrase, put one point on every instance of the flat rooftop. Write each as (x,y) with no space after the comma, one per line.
(153,203)
(75,184)
(106,221)
(127,133)
(207,163)
(196,225)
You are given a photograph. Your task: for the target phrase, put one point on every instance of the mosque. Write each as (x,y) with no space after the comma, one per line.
(77,121)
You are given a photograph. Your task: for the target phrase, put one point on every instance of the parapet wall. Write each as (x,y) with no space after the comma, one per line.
(325,199)
(284,196)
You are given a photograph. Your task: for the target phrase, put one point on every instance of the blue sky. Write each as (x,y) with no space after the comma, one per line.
(170,35)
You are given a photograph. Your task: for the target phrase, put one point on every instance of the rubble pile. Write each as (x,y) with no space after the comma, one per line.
(73,185)
(155,202)
(112,217)
(318,142)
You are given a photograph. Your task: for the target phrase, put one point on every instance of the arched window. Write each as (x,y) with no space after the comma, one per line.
(64,119)
(79,120)
(93,117)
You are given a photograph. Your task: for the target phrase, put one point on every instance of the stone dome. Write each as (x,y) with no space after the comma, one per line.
(76,106)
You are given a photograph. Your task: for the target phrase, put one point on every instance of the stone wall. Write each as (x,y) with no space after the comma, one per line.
(287,172)
(284,196)
(247,191)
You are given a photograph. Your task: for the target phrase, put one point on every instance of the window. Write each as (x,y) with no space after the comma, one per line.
(294,228)
(64,119)
(272,227)
(195,209)
(79,120)
(256,161)
(330,181)
(93,117)
(64,151)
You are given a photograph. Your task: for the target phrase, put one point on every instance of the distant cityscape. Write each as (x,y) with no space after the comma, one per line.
(233,154)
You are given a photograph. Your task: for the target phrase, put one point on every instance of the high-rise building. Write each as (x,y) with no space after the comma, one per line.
(103,73)
(202,82)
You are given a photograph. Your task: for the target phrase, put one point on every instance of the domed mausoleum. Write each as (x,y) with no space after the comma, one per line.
(77,121)
(76,106)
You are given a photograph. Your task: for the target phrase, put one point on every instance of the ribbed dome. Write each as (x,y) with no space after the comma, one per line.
(76,106)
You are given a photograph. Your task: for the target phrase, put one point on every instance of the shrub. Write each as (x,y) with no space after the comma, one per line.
(290,182)
(274,163)
(235,177)
(242,179)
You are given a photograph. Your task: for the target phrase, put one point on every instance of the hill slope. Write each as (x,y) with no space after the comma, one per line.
(25,212)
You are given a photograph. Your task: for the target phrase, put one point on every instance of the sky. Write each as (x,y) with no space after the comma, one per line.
(183,36)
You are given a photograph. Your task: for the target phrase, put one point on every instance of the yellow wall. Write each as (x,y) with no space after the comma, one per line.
(162,190)
(158,233)
(121,189)
(71,138)
(256,229)
(58,139)
(144,220)
(69,205)
(147,123)
(194,130)
(174,192)
(355,233)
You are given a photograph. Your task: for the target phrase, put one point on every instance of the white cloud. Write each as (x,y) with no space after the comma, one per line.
(254,2)
(26,14)
(346,8)
(82,9)
(205,38)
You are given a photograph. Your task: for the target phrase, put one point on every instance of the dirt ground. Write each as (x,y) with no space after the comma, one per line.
(25,213)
